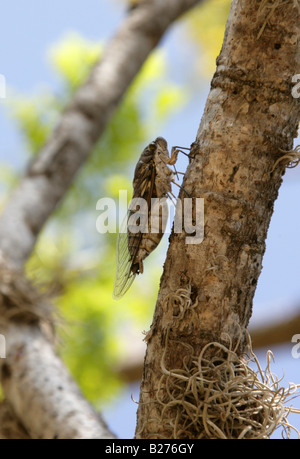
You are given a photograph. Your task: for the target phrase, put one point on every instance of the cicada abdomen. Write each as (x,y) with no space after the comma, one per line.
(147,214)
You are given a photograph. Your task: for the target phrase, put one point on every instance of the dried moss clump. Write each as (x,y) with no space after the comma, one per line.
(222,395)
(291,159)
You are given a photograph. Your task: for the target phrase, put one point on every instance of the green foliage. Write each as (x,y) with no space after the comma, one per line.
(73,58)
(75,262)
(206,25)
(34,122)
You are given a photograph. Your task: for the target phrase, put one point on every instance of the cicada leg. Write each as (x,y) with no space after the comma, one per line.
(181,187)
(173,159)
(170,194)
(176,150)
(174,156)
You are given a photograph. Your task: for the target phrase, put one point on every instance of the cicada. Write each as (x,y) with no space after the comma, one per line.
(152,179)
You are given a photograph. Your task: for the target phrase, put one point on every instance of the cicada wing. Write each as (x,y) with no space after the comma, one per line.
(129,242)
(124,276)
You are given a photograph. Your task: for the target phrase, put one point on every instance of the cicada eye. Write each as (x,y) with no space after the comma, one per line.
(152,147)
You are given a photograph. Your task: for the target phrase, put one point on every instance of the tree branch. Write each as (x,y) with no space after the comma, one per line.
(277,333)
(52,172)
(10,427)
(36,384)
(45,398)
(38,388)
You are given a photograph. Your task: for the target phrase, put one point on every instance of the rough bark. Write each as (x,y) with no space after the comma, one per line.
(250,115)
(37,387)
(41,398)
(50,175)
(10,427)
(45,398)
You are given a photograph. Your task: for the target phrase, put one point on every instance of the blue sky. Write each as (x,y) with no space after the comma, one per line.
(28,30)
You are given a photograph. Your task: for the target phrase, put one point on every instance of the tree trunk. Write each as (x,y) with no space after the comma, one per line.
(207,289)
